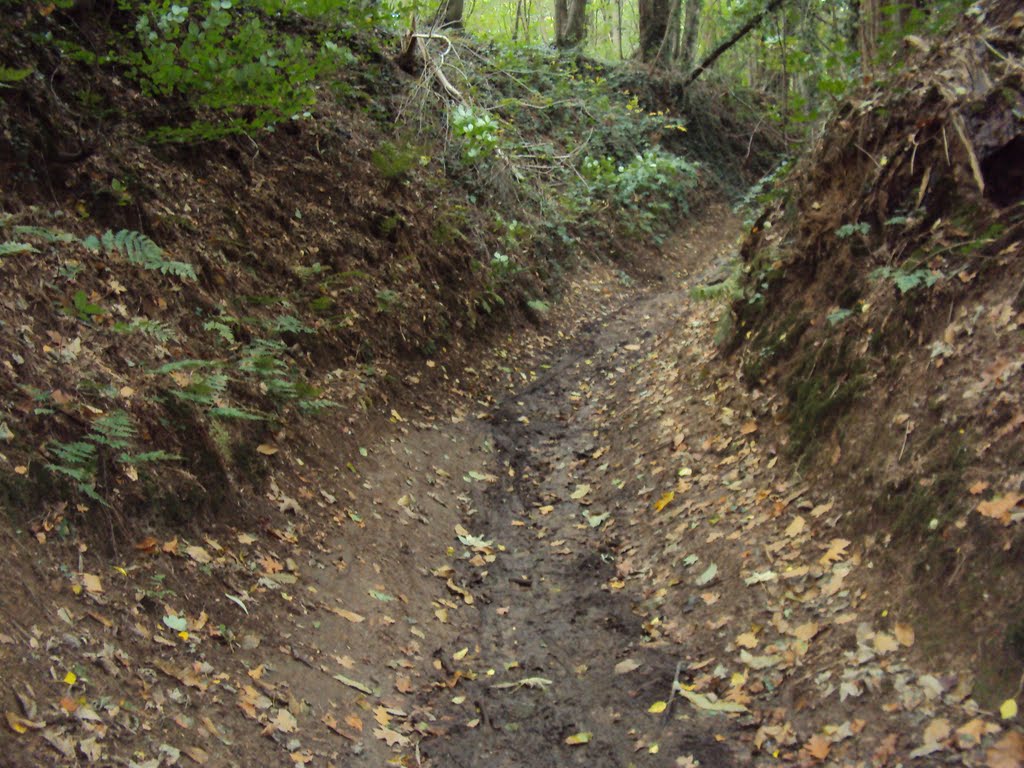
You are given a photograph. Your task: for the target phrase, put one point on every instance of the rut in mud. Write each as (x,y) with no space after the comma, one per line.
(551,618)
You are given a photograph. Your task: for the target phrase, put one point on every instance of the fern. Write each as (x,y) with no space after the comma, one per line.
(221,329)
(11,248)
(230,412)
(43,233)
(186,365)
(147,457)
(155,329)
(75,458)
(115,430)
(203,389)
(140,251)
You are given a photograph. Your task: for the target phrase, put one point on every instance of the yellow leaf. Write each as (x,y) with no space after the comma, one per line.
(265,449)
(1008,709)
(460,655)
(748,428)
(664,501)
(806,632)
(579,738)
(70,678)
(657,707)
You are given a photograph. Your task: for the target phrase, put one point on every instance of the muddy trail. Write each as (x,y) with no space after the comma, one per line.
(552,629)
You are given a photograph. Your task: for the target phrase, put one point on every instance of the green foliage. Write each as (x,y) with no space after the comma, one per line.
(861,228)
(653,183)
(157,330)
(9,75)
(908,280)
(10,248)
(141,251)
(226,58)
(477,131)
(395,161)
(110,439)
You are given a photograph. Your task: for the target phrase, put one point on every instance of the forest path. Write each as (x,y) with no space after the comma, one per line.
(561,669)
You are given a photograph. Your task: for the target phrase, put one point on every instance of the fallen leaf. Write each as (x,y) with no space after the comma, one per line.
(284,722)
(885,643)
(796,527)
(20,724)
(664,501)
(806,632)
(1008,709)
(836,551)
(391,738)
(701,701)
(626,666)
(361,687)
(198,554)
(999,507)
(92,583)
(1008,752)
(583,737)
(905,634)
(265,449)
(580,492)
(747,640)
(748,428)
(707,576)
(197,754)
(818,747)
(657,707)
(353,721)
(970,734)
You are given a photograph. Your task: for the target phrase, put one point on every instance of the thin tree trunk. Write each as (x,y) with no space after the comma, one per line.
(868,31)
(742,32)
(691,25)
(618,28)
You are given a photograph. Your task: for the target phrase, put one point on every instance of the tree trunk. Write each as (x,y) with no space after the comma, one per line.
(691,25)
(570,23)
(659,31)
(449,15)
(869,29)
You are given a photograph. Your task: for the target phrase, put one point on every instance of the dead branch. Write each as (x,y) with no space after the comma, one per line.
(742,32)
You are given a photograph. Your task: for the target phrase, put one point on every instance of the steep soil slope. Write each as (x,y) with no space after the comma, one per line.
(882,298)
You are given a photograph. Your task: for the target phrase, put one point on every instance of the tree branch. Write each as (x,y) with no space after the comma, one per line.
(742,32)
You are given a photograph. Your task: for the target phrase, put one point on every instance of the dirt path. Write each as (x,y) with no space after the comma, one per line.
(589,549)
(552,629)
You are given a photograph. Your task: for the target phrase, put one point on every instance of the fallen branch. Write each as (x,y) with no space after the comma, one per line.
(416,59)
(742,32)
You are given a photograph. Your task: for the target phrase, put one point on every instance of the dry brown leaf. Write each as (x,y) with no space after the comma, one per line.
(265,449)
(806,632)
(979,487)
(197,754)
(748,428)
(818,747)
(747,640)
(353,721)
(937,731)
(970,734)
(999,507)
(1008,752)
(92,583)
(796,527)
(391,738)
(836,552)
(905,634)
(403,684)
(198,554)
(885,643)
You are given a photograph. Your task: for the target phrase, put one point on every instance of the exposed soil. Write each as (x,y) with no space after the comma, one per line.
(515,571)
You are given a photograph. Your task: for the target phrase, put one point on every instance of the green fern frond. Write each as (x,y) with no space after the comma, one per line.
(115,430)
(44,233)
(10,248)
(230,412)
(142,252)
(147,457)
(72,457)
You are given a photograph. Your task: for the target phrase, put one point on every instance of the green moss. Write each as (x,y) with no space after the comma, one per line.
(826,383)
